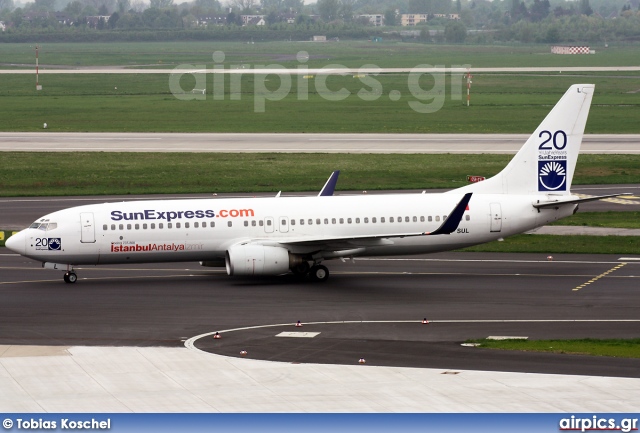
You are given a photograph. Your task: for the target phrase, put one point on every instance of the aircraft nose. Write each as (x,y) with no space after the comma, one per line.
(16,243)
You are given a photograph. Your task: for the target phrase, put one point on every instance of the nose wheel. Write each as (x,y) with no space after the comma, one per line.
(70,277)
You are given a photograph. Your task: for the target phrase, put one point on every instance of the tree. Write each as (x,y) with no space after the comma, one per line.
(328,9)
(234,19)
(346,10)
(390,17)
(44,5)
(455,32)
(113,20)
(73,9)
(518,11)
(539,10)
(6,5)
(585,8)
(160,4)
(103,10)
(209,5)
(123,6)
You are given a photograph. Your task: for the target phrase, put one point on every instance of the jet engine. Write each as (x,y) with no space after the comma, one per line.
(257,260)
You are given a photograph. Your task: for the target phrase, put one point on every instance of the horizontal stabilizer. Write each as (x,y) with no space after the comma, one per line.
(556,203)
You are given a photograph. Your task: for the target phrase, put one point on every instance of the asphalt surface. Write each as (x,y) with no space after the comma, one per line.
(163,305)
(51,141)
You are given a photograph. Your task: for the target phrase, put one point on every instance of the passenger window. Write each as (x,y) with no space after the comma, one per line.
(195,225)
(406,219)
(253,223)
(212,224)
(246,223)
(422,218)
(137,226)
(333,220)
(268,223)
(160,226)
(301,222)
(341,220)
(390,219)
(177,225)
(326,220)
(357,220)
(349,220)
(260,223)
(382,220)
(186,225)
(310,221)
(437,217)
(293,222)
(374,220)
(444,217)
(153,226)
(144,226)
(283,222)
(169,225)
(230,223)
(128,226)
(121,227)
(366,220)
(430,219)
(415,219)
(467,217)
(104,227)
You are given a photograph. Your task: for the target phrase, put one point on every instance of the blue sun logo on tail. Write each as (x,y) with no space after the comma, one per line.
(552,175)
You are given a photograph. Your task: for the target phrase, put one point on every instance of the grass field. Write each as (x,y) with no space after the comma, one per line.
(623,220)
(93,173)
(617,348)
(142,103)
(347,53)
(550,244)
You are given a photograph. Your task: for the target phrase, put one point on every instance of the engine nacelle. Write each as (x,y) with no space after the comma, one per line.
(257,260)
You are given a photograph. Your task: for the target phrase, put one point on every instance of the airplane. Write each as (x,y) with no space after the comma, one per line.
(278,235)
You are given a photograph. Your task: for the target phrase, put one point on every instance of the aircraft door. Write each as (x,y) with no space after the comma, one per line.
(87,228)
(284,224)
(268,225)
(496,217)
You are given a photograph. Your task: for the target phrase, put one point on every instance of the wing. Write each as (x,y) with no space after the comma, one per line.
(342,244)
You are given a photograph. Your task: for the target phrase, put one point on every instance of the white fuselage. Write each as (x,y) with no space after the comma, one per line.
(203,230)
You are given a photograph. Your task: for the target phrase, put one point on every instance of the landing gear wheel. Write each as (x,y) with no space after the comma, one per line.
(70,277)
(301,269)
(319,273)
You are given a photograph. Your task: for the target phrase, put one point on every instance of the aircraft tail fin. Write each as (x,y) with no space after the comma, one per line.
(547,161)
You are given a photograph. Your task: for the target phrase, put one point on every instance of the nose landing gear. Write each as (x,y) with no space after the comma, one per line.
(70,277)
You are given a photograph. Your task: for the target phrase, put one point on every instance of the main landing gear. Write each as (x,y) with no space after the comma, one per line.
(316,272)
(70,277)
(319,273)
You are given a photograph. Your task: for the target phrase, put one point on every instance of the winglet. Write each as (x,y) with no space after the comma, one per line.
(453,220)
(330,185)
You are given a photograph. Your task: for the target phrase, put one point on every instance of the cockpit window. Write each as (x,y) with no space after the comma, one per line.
(42,225)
